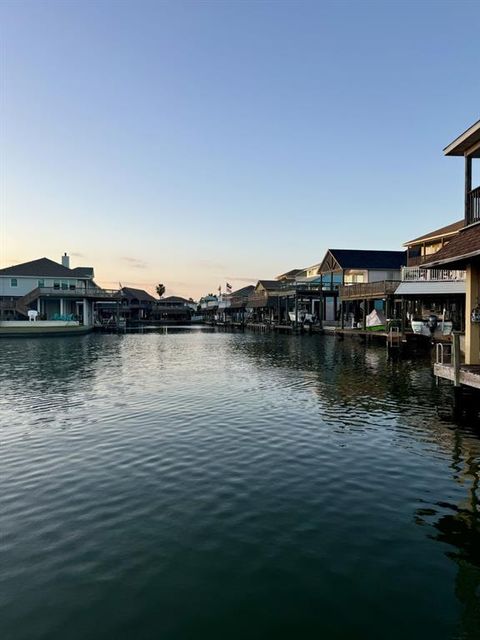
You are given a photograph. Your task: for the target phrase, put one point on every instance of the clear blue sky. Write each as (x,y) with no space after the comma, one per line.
(197,142)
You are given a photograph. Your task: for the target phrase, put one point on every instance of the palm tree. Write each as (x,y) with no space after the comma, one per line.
(160,289)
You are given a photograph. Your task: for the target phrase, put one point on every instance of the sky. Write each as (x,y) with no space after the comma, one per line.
(198,143)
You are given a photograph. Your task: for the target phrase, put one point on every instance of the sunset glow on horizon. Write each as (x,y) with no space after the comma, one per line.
(196,144)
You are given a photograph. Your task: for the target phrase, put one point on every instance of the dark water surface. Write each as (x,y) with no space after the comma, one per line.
(209,485)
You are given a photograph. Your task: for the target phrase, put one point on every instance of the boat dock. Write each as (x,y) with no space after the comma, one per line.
(464,376)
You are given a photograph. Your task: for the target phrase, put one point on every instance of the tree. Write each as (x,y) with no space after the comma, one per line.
(160,289)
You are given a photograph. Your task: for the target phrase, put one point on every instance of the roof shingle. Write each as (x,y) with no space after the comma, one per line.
(44,267)
(450,229)
(465,245)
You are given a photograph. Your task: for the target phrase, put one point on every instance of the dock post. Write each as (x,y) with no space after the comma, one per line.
(365,314)
(456,359)
(296,310)
(472,330)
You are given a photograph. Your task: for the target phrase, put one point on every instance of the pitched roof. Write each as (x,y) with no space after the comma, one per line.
(175,299)
(244,291)
(83,272)
(289,274)
(464,142)
(139,294)
(465,245)
(44,267)
(367,259)
(271,284)
(450,229)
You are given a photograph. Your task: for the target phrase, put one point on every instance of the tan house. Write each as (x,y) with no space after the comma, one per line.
(463,251)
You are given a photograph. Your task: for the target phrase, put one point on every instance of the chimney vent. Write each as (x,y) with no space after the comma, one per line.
(66,261)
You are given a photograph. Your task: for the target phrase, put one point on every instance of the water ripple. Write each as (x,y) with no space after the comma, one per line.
(214,485)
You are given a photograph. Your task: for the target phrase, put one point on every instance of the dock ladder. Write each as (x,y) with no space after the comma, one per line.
(394,338)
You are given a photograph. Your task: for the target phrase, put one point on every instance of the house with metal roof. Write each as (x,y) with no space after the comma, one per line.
(354,281)
(43,290)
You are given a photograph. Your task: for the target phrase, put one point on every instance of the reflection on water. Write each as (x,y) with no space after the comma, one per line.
(212,485)
(458,526)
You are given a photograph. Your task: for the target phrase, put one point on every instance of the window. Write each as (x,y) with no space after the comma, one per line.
(13,282)
(41,283)
(56,285)
(64,285)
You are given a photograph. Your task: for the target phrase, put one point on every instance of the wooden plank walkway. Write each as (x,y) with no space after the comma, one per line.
(468,375)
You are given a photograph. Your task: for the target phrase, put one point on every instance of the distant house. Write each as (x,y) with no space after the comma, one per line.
(174,309)
(264,302)
(289,276)
(208,307)
(232,306)
(137,304)
(52,289)
(176,301)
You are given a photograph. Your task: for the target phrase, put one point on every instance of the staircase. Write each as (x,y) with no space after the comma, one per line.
(21,305)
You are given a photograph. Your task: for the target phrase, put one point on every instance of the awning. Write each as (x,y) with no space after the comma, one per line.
(427,288)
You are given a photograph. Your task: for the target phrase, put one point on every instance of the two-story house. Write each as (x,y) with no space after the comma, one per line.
(360,280)
(463,251)
(53,291)
(425,292)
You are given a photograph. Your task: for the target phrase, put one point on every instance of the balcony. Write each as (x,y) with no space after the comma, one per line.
(416,274)
(368,290)
(92,293)
(473,206)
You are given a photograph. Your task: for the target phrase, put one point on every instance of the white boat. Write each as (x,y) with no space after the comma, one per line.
(420,327)
(28,329)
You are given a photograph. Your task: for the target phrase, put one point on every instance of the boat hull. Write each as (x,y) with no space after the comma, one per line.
(41,329)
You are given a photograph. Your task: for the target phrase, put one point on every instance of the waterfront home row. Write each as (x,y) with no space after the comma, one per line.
(54,295)
(348,285)
(436,280)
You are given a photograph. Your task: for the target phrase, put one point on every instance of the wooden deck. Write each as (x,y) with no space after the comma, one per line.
(468,375)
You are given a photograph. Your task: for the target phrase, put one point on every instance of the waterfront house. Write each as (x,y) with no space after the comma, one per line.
(421,250)
(423,292)
(289,276)
(361,280)
(463,251)
(53,290)
(137,304)
(173,309)
(232,306)
(208,308)
(267,301)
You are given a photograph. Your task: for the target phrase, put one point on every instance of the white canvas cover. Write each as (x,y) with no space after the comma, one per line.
(375,319)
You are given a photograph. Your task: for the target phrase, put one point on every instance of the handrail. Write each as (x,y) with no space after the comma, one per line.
(419,274)
(80,292)
(359,289)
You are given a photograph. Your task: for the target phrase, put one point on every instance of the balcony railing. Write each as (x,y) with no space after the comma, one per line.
(416,274)
(79,292)
(363,290)
(473,206)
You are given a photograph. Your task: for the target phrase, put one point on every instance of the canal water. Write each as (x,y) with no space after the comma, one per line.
(203,485)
